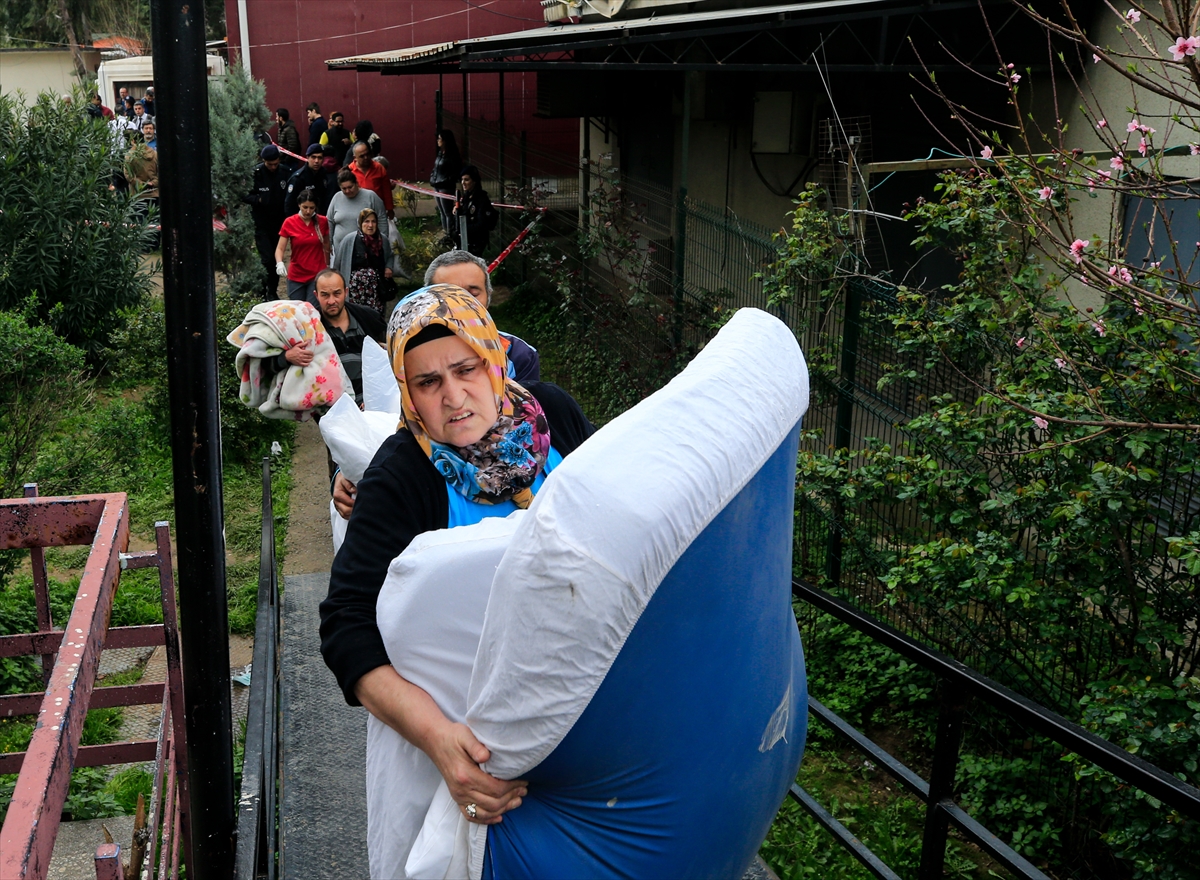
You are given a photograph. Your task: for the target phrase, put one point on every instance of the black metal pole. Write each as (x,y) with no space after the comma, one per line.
(466,108)
(185,193)
(844,420)
(953,698)
(680,242)
(500,156)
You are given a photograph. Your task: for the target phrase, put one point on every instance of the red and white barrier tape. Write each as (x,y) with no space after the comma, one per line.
(516,241)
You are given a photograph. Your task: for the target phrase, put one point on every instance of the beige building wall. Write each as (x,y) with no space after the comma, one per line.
(41,70)
(1116,100)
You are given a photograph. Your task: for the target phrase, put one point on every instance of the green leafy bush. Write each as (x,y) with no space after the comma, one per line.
(41,379)
(65,237)
(237,109)
(1035,518)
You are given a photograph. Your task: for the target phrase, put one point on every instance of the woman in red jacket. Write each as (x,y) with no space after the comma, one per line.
(309,234)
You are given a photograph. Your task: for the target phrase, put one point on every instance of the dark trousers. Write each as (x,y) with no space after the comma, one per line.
(445,208)
(266,253)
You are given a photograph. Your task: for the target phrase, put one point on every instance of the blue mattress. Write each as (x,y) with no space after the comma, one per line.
(679,762)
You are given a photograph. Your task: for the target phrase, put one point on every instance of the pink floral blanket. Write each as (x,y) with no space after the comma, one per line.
(295,392)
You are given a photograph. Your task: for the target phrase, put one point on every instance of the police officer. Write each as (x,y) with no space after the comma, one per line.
(312,175)
(266,202)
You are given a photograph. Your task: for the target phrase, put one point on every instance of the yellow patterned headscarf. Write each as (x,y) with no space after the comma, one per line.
(503,464)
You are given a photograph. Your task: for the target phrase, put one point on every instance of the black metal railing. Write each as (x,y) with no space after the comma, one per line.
(958,684)
(258,826)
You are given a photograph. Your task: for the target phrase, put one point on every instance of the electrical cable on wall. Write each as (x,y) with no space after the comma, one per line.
(787,190)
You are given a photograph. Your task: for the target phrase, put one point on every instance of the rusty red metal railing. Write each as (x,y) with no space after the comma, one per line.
(70,660)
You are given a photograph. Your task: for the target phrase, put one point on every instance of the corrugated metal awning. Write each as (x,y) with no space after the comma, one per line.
(452,55)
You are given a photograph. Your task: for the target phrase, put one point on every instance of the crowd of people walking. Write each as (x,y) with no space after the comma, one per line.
(330,203)
(134,131)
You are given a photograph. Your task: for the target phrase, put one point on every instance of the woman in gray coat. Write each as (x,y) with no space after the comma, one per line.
(365,259)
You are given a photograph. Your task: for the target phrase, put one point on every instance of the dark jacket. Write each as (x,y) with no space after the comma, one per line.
(303,179)
(481,218)
(446,169)
(267,198)
(316,128)
(527,366)
(289,138)
(401,496)
(334,135)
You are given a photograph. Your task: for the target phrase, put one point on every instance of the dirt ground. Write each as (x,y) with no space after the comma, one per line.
(309,537)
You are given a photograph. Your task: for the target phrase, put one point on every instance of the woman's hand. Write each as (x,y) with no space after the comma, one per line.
(343,495)
(281,269)
(454,750)
(387,273)
(457,754)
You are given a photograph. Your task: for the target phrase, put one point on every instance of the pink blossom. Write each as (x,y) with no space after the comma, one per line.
(1132,127)
(1133,16)
(1145,129)
(1041,423)
(1103,123)
(1142,146)
(986,152)
(1045,193)
(1107,175)
(1085,281)
(1095,58)
(1137,307)
(1010,66)
(1195,149)
(1077,247)
(1021,343)
(1183,47)
(1060,363)
(1091,184)
(1098,326)
(1015,78)
(1117,163)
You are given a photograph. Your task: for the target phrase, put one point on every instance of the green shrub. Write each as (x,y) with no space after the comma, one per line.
(238,109)
(41,380)
(64,236)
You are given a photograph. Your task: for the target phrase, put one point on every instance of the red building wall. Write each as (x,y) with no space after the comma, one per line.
(290,40)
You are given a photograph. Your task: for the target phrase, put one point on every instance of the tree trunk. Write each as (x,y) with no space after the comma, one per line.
(69,27)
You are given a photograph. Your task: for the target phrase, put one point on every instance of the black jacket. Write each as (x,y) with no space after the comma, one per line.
(289,138)
(316,128)
(303,179)
(401,496)
(335,134)
(446,169)
(267,198)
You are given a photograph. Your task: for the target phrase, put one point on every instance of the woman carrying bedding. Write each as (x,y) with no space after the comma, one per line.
(472,444)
